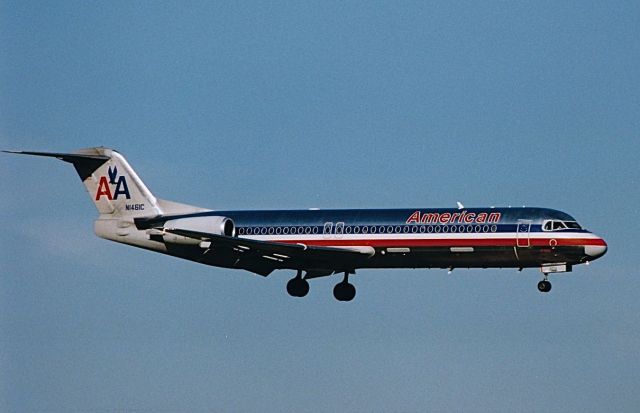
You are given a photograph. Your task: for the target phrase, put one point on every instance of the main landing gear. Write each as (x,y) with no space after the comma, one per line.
(343,291)
(298,286)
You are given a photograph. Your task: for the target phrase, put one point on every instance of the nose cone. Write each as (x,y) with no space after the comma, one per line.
(597,249)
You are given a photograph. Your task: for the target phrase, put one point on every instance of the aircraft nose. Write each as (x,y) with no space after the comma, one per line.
(596,250)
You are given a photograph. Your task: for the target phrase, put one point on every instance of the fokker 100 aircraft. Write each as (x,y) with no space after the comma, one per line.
(317,243)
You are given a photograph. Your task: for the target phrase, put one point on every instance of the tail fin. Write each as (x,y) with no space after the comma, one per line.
(114,187)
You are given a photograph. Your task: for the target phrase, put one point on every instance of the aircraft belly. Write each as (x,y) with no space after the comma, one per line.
(443,257)
(478,257)
(535,256)
(417,257)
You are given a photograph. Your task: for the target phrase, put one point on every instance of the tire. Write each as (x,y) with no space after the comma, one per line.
(344,291)
(298,287)
(544,286)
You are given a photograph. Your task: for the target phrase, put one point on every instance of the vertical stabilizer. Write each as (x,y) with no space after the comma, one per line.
(117,190)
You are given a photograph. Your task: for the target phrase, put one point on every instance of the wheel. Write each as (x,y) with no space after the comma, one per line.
(298,287)
(343,291)
(544,286)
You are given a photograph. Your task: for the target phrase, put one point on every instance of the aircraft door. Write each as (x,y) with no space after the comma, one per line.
(522,233)
(328,230)
(339,229)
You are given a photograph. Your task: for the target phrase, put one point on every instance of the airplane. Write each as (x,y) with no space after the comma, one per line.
(317,243)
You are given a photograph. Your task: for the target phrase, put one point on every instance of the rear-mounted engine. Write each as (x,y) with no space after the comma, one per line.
(207,225)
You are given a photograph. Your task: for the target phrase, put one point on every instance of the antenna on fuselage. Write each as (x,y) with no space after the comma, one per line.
(460,206)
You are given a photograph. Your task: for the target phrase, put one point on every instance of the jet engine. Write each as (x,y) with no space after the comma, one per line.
(208,224)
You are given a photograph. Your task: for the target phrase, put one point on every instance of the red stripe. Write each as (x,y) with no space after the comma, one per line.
(449,242)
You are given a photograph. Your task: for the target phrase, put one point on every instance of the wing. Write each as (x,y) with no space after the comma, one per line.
(262,257)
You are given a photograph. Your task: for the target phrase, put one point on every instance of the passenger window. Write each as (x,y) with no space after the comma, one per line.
(548,226)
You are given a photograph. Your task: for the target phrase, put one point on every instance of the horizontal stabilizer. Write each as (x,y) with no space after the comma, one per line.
(114,187)
(85,164)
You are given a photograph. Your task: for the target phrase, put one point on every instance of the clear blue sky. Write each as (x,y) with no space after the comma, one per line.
(323,104)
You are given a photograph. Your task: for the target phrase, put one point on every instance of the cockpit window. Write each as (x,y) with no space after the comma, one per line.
(557,225)
(572,225)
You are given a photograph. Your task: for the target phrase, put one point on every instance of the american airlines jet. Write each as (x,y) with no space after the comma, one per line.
(318,243)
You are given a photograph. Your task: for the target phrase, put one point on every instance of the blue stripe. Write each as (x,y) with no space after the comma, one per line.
(377,217)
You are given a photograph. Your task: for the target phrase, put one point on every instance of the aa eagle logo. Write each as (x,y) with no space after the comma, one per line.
(120,182)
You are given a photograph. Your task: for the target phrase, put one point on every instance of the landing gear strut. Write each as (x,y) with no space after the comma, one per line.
(298,286)
(544,286)
(343,291)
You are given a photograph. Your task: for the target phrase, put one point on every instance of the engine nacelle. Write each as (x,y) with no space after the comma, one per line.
(210,224)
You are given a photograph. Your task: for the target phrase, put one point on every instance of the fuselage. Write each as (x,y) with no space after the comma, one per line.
(429,237)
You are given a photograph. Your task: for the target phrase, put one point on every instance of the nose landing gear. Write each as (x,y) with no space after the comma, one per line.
(544,286)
